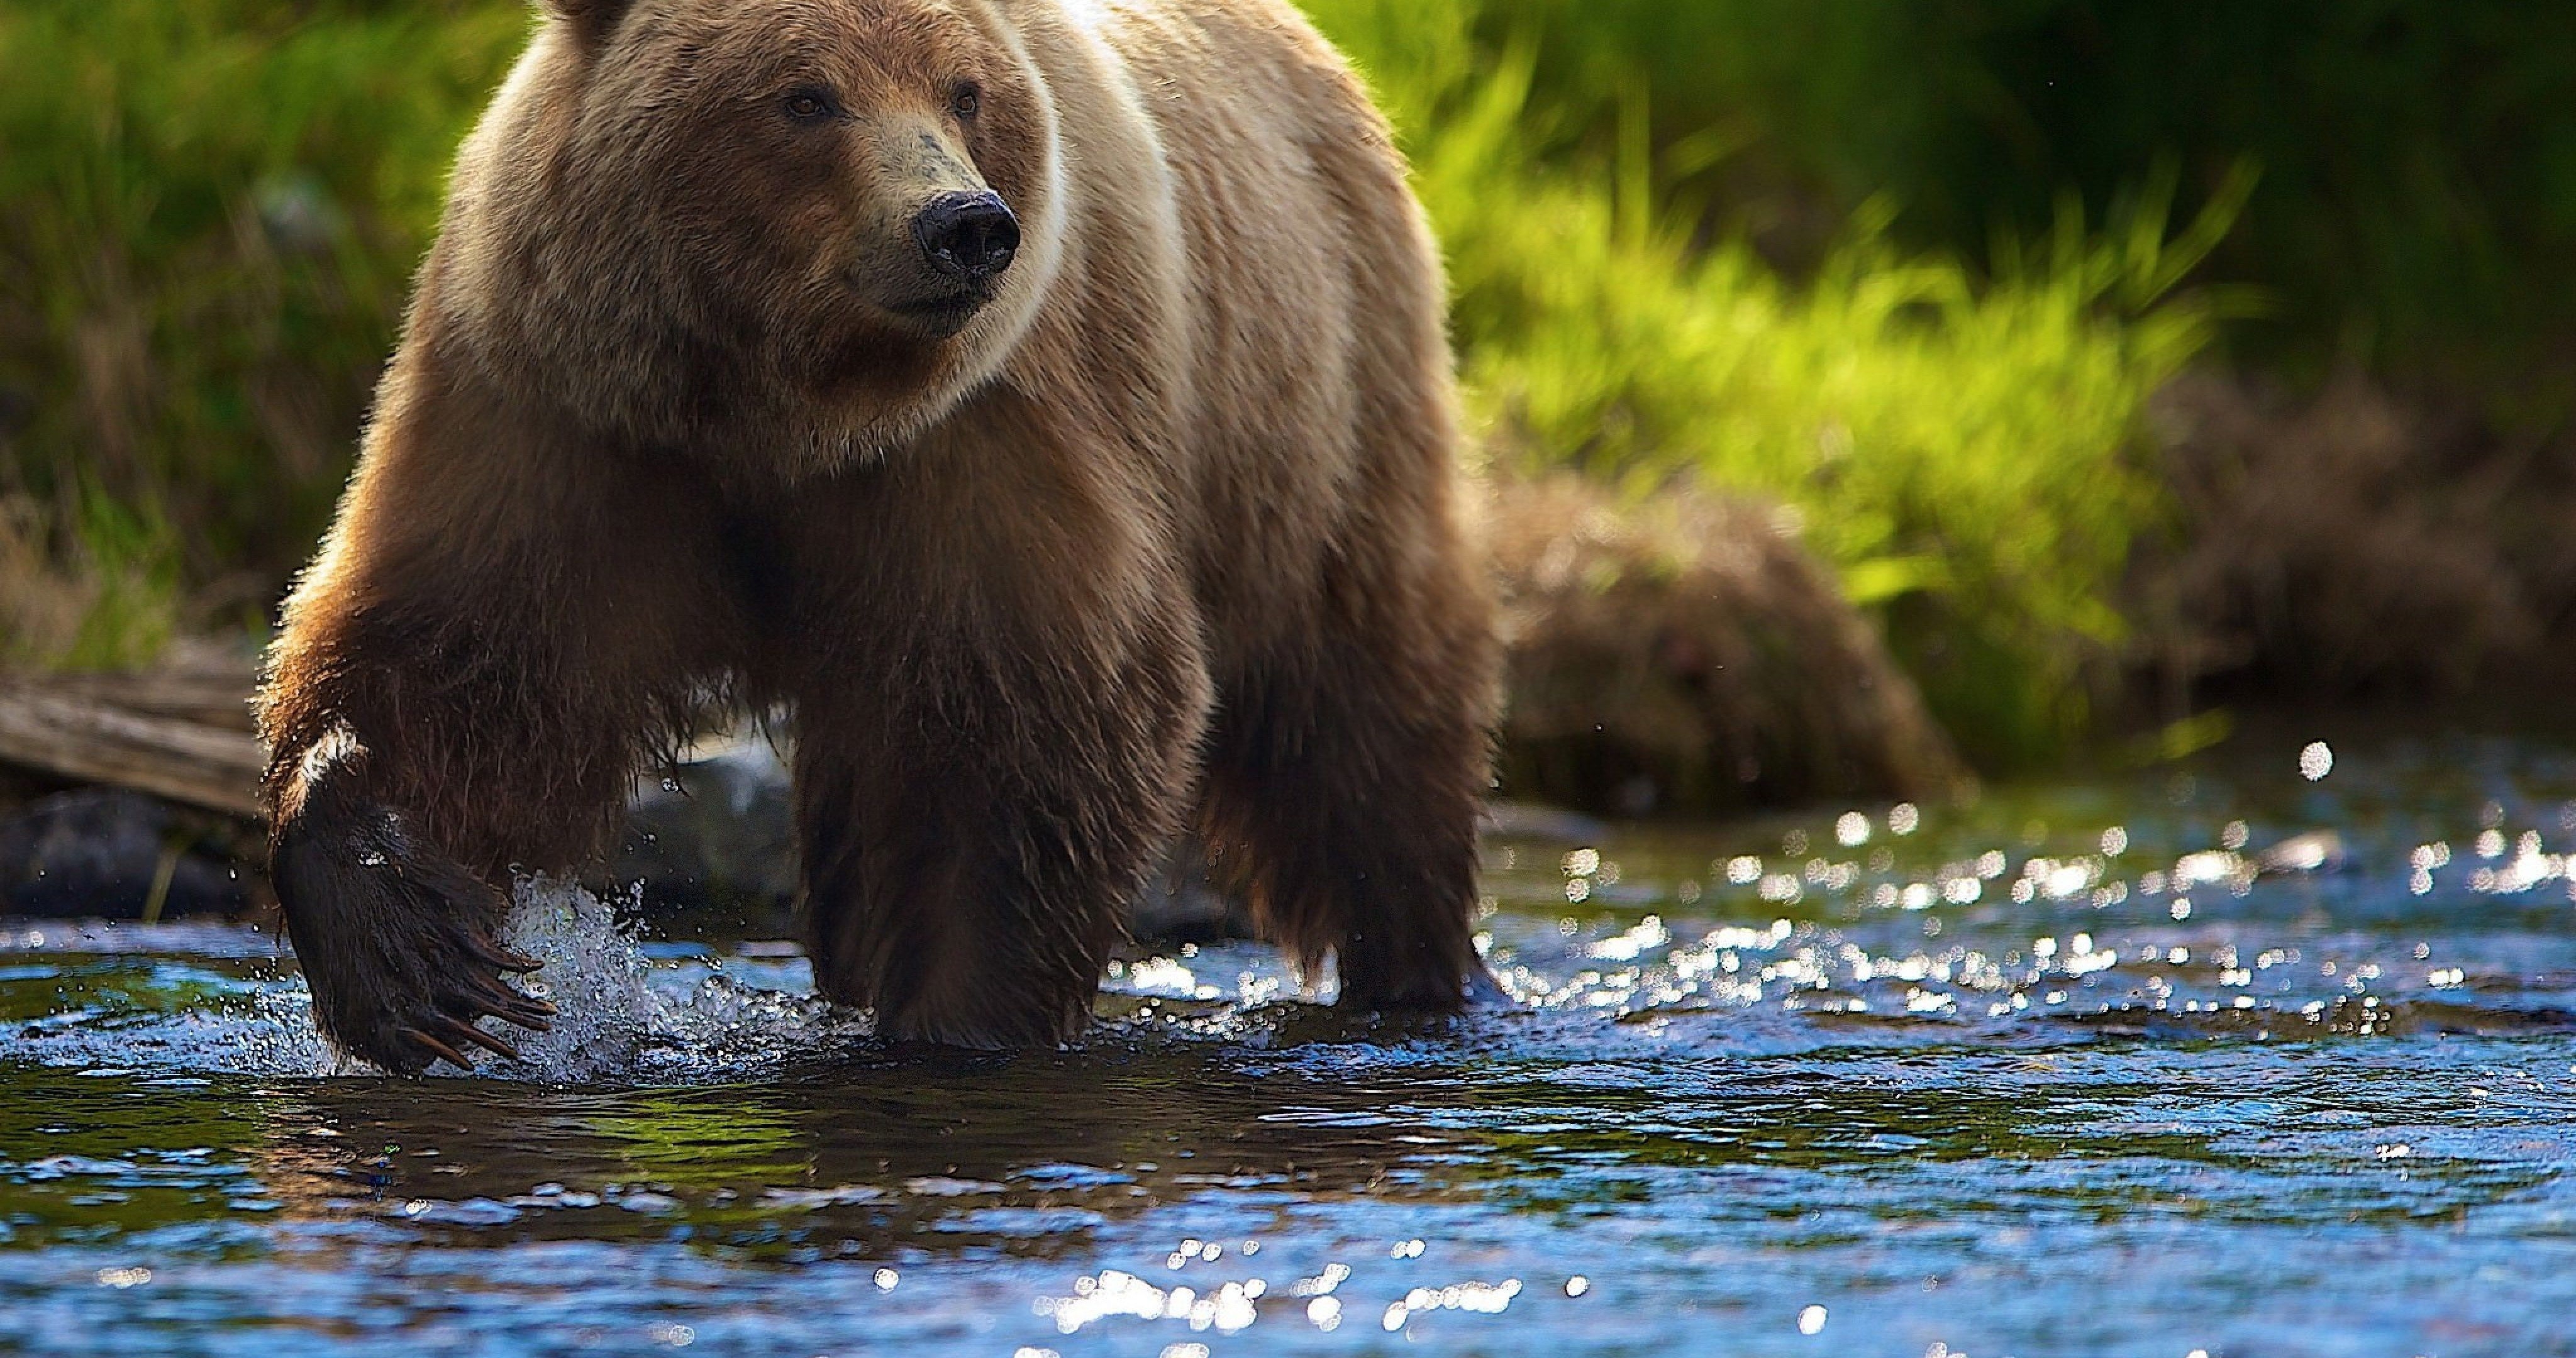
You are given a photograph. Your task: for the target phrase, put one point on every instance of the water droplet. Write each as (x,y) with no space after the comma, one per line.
(2316,760)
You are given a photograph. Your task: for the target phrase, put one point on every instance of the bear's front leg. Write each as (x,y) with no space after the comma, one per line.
(997,731)
(426,746)
(502,625)
(976,818)
(428,740)
(396,938)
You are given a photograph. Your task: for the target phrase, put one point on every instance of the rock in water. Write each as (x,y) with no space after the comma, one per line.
(102,852)
(718,830)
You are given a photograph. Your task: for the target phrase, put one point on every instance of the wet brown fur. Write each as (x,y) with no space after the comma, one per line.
(1164,535)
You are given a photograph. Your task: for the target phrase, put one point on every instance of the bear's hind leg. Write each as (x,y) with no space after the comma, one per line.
(1344,788)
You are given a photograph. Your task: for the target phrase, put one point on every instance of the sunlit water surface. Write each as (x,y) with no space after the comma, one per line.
(2217,1058)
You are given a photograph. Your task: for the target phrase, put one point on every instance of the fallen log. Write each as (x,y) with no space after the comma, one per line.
(72,735)
(217,696)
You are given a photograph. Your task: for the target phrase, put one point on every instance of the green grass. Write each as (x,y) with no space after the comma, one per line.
(210,211)
(2418,205)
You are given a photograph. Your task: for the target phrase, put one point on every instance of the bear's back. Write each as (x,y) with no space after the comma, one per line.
(1267,256)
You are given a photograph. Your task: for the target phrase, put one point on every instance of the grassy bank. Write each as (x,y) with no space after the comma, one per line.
(209,212)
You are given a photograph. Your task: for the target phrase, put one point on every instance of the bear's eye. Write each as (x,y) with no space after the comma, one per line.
(966,102)
(808,106)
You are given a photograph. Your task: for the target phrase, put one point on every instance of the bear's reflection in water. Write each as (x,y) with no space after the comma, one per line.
(889,1155)
(860,1157)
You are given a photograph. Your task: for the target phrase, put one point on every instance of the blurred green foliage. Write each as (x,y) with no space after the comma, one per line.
(1911,269)
(209,213)
(2417,210)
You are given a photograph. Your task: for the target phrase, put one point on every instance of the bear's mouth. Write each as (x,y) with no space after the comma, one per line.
(945,314)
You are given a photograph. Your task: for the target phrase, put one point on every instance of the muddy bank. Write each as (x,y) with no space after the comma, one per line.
(1685,654)
(2349,544)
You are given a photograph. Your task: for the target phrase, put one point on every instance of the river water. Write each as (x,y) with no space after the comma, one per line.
(2215,1057)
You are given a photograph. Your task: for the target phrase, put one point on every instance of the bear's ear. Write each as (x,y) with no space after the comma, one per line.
(590,18)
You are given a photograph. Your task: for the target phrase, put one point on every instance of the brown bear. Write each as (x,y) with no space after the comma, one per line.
(1046,401)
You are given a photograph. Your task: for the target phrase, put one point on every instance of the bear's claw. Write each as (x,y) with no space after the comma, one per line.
(462,1032)
(436,1048)
(492,954)
(448,1032)
(396,942)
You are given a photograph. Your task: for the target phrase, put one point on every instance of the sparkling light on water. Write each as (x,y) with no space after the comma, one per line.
(2194,1015)
(2316,760)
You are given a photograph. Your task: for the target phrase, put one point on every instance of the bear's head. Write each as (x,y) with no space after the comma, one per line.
(774,233)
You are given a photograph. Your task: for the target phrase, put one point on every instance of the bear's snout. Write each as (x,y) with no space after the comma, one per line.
(970,237)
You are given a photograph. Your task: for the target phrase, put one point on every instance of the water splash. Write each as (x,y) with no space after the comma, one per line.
(624,1017)
(594,972)
(225,999)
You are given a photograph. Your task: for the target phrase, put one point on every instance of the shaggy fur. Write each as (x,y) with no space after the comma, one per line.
(1156,529)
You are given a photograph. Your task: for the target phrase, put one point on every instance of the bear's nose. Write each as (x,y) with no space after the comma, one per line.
(969,236)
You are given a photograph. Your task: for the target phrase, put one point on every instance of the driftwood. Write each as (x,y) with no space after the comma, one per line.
(79,735)
(205,694)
